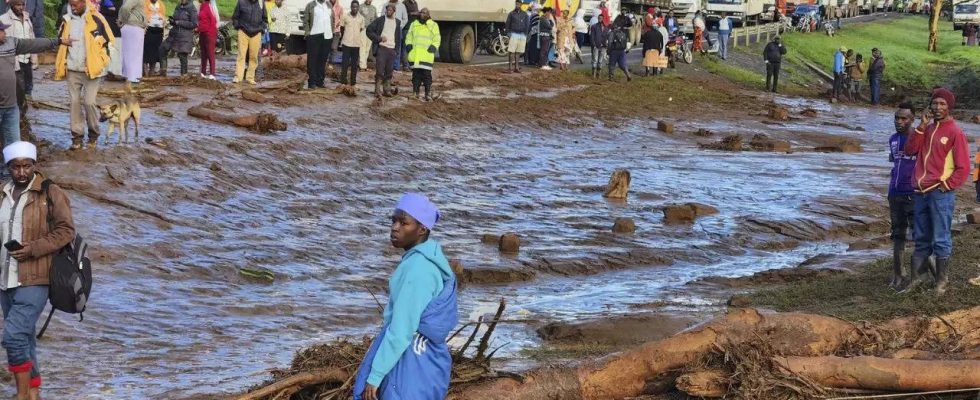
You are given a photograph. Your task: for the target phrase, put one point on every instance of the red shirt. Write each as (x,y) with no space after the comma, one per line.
(206,22)
(943,156)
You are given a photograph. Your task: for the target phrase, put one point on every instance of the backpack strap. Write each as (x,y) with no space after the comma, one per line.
(46,322)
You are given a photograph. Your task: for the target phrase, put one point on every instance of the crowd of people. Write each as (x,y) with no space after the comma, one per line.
(849,70)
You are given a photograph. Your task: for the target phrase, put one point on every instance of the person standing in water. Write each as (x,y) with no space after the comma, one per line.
(410,358)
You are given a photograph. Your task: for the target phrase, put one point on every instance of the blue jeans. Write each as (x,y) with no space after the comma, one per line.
(10,124)
(933,218)
(875,89)
(22,306)
(723,43)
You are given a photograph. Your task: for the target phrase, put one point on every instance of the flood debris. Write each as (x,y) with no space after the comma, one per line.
(808,112)
(257,274)
(686,213)
(752,354)
(665,127)
(703,133)
(973,218)
(728,143)
(326,371)
(258,122)
(761,142)
(619,185)
(254,96)
(624,225)
(778,113)
(510,243)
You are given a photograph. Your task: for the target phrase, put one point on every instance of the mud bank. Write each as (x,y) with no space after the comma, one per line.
(178,222)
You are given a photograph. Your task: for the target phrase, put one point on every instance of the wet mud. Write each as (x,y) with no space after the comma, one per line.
(181,221)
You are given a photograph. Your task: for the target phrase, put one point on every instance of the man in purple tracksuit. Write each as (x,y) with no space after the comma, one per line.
(900,192)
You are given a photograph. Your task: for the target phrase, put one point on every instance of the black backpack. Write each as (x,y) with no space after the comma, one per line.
(618,39)
(70,276)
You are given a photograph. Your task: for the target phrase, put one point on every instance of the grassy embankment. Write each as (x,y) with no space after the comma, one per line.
(910,68)
(863,295)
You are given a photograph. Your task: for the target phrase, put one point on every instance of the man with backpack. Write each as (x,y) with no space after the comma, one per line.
(618,43)
(36,223)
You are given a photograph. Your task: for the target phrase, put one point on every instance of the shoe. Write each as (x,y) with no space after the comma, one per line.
(918,273)
(236,80)
(546,68)
(211,77)
(428,98)
(204,76)
(252,82)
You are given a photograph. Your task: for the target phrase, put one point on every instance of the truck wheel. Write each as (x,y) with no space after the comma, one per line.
(462,44)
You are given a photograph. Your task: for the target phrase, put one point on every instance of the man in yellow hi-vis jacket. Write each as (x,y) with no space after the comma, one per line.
(422,43)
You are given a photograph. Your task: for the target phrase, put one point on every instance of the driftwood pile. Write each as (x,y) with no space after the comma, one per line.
(327,371)
(749,354)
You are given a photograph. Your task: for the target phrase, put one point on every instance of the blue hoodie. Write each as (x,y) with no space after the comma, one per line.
(420,314)
(838,62)
(901,183)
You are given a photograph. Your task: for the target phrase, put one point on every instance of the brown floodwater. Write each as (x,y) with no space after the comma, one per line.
(171,316)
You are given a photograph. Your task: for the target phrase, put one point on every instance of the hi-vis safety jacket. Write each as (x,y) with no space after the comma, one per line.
(422,43)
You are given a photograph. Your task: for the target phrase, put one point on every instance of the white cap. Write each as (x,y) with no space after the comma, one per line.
(19,150)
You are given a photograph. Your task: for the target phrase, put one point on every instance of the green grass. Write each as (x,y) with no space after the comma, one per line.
(739,75)
(863,295)
(902,42)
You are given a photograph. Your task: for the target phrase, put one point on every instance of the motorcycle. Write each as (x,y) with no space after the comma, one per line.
(679,48)
(494,41)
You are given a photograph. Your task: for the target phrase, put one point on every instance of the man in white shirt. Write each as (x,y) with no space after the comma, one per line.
(318,21)
(724,32)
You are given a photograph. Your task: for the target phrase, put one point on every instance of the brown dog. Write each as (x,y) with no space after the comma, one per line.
(119,113)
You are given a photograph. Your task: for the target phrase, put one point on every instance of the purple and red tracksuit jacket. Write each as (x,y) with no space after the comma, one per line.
(903,166)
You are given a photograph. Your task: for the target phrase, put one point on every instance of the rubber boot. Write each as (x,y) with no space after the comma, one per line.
(595,73)
(23,382)
(942,275)
(428,93)
(629,78)
(387,89)
(377,88)
(918,269)
(898,274)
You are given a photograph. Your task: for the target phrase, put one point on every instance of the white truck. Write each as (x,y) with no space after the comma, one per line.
(740,11)
(460,22)
(966,12)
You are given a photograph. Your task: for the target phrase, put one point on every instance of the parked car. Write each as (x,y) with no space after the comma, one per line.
(803,9)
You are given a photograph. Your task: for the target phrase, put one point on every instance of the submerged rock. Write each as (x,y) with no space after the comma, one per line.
(510,243)
(687,213)
(624,225)
(665,127)
(779,113)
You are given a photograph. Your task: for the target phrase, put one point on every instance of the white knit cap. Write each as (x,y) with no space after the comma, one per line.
(19,150)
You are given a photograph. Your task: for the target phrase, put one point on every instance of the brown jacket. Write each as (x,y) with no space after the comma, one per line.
(43,239)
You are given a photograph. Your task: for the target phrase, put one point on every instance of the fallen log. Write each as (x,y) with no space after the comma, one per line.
(625,374)
(886,374)
(254,96)
(259,122)
(297,381)
(286,62)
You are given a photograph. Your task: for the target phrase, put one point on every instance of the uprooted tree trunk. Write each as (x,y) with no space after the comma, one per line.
(288,386)
(878,373)
(784,334)
(257,122)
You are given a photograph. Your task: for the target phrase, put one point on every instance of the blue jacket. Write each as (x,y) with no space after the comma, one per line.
(903,167)
(410,359)
(838,62)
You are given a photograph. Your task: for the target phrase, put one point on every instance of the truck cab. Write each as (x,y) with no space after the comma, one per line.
(966,12)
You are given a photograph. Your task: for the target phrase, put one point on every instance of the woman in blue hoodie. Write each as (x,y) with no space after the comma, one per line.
(410,359)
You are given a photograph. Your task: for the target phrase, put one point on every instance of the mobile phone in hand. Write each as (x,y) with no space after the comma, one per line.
(13,245)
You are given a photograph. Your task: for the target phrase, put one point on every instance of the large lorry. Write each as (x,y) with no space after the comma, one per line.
(741,11)
(966,12)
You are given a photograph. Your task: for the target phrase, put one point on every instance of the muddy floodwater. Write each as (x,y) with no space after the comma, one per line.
(171,316)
